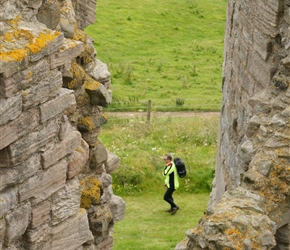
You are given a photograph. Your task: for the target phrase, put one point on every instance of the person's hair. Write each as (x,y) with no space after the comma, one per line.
(168,156)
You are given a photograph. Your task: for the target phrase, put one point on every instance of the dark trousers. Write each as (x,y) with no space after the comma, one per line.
(168,197)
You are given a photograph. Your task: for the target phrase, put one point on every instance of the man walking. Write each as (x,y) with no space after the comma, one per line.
(171,182)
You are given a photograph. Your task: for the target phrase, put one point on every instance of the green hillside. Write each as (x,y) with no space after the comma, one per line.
(170,52)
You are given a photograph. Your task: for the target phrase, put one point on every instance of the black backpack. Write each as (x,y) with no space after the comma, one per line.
(181,170)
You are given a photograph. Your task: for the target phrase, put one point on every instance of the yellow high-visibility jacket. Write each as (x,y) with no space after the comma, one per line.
(171,175)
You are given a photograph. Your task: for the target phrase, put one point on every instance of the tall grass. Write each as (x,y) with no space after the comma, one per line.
(141,146)
(162,51)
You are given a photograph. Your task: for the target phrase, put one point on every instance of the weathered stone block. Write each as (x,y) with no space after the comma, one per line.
(27,145)
(17,222)
(259,69)
(85,13)
(49,14)
(43,91)
(12,175)
(99,95)
(267,16)
(64,100)
(68,235)
(283,234)
(52,45)
(112,162)
(247,30)
(78,160)
(40,213)
(90,123)
(8,200)
(65,127)
(66,201)
(117,206)
(106,180)
(99,72)
(262,44)
(24,79)
(61,149)
(100,221)
(23,124)
(10,108)
(70,50)
(34,234)
(8,68)
(247,81)
(40,187)
(67,26)
(98,156)
(107,194)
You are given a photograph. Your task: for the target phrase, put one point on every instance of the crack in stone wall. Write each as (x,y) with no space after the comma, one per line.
(55,183)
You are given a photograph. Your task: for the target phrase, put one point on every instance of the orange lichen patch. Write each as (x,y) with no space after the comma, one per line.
(91,191)
(14,22)
(86,54)
(13,55)
(87,123)
(18,43)
(42,41)
(91,84)
(104,116)
(236,237)
(80,35)
(78,76)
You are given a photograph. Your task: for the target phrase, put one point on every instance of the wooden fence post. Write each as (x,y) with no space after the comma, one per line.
(148,110)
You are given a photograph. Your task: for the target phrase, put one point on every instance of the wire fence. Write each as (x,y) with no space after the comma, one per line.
(183,105)
(148,113)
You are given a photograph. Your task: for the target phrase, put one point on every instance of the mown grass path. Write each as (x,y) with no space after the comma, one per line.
(162,114)
(147,226)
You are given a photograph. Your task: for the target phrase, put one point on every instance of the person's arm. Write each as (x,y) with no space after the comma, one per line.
(168,169)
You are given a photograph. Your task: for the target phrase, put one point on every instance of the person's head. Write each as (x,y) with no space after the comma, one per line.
(167,158)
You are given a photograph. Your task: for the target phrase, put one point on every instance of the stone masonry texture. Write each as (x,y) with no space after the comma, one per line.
(54,172)
(249,205)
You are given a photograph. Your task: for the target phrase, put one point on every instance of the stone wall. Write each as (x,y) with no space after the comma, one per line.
(250,202)
(55,183)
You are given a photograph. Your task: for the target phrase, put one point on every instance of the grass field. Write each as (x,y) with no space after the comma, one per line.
(141,146)
(147,227)
(139,181)
(169,52)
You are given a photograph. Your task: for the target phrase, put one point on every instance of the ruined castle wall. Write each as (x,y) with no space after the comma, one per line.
(249,206)
(55,183)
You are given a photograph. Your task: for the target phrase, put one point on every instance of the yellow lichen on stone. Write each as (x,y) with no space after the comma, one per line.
(86,54)
(42,41)
(104,116)
(91,191)
(26,42)
(13,55)
(87,123)
(14,22)
(80,35)
(78,76)
(91,84)
(236,237)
